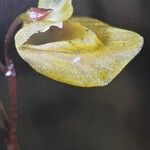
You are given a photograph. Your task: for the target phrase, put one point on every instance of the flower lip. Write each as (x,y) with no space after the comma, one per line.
(35,13)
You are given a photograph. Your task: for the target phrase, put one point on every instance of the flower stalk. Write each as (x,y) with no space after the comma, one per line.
(10,73)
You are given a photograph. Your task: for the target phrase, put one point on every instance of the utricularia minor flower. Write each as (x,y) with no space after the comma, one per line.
(80,51)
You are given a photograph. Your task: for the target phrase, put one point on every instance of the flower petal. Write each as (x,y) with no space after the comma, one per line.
(33,28)
(85,61)
(62,9)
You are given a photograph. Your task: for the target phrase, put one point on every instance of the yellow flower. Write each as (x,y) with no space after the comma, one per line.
(79,51)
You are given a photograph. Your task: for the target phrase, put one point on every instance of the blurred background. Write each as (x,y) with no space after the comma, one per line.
(55,116)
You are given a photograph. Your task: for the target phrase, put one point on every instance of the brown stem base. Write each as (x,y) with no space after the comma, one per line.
(11,137)
(11,140)
(10,123)
(10,74)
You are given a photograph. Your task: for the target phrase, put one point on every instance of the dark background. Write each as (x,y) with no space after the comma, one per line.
(55,116)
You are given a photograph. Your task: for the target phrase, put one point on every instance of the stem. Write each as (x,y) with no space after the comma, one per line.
(11,136)
(3,116)
(10,73)
(17,23)
(2,68)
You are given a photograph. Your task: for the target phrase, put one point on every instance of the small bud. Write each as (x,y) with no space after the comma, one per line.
(34,14)
(10,71)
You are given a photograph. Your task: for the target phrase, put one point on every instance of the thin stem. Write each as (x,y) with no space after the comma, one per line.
(10,73)
(2,68)
(17,23)
(11,136)
(3,116)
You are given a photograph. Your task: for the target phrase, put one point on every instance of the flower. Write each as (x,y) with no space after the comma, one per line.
(79,51)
